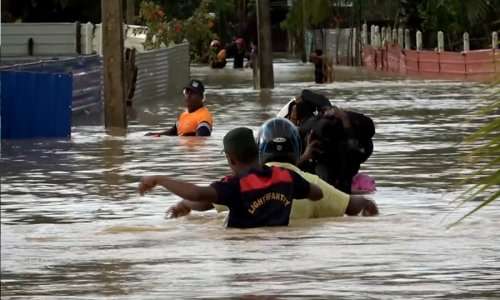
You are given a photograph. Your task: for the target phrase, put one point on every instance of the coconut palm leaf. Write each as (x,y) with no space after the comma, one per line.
(487,178)
(483,204)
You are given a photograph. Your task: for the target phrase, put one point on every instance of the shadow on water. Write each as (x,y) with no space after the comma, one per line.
(72,223)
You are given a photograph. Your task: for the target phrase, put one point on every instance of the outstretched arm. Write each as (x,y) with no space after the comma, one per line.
(171,131)
(315,193)
(182,189)
(361,204)
(184,207)
(312,149)
(203,129)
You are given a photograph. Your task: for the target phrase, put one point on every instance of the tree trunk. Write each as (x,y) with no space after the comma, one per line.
(265,51)
(242,16)
(304,30)
(113,74)
(130,12)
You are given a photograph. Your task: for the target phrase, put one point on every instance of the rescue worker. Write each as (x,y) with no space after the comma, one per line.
(196,120)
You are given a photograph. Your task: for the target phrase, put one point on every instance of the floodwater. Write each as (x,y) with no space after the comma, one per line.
(73,225)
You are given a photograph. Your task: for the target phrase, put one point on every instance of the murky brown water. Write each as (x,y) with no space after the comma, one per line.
(72,223)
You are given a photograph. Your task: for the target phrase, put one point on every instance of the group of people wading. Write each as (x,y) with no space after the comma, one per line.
(237,49)
(301,165)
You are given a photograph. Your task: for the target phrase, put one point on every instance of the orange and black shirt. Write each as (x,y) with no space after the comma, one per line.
(189,122)
(261,197)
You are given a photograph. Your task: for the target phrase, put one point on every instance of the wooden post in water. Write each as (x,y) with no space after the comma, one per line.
(114,92)
(407,39)
(130,12)
(419,40)
(466,42)
(265,44)
(440,41)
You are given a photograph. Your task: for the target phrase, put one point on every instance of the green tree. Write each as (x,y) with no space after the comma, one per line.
(162,31)
(304,15)
(454,17)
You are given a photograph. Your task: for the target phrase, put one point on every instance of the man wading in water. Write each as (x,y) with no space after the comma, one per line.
(196,120)
(255,195)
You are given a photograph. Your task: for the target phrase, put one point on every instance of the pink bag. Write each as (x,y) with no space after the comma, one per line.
(363,184)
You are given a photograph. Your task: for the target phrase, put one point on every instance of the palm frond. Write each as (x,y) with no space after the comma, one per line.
(483,204)
(487,178)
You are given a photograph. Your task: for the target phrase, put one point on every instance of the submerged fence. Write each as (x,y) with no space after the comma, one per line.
(341,46)
(390,50)
(386,54)
(476,64)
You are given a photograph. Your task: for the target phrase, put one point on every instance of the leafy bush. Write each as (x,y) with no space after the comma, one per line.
(162,32)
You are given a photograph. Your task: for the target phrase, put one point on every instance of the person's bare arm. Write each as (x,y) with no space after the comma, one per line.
(184,207)
(312,148)
(315,193)
(361,204)
(171,131)
(182,189)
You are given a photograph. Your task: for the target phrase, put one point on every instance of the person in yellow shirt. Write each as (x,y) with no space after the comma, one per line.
(279,145)
(196,120)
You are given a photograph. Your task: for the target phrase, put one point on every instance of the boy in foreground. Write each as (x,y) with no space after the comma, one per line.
(255,195)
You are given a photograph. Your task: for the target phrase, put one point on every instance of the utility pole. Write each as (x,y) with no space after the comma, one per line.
(130,12)
(242,16)
(304,30)
(265,50)
(115,115)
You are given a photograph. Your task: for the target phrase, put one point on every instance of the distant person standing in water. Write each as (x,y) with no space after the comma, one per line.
(239,53)
(196,120)
(318,60)
(217,55)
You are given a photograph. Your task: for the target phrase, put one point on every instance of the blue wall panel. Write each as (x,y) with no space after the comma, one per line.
(87,78)
(35,105)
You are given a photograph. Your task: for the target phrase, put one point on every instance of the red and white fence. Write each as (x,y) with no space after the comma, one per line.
(475,64)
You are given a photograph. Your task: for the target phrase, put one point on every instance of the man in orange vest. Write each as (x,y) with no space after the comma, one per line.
(196,120)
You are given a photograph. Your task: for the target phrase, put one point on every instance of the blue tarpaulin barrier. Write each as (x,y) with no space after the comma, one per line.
(35,105)
(87,78)
(34,96)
